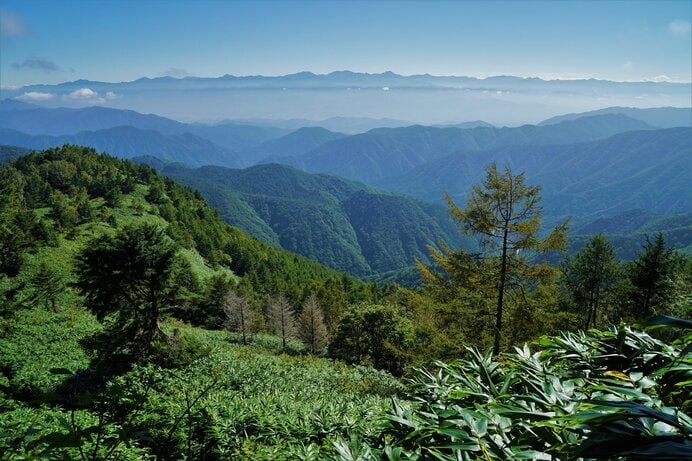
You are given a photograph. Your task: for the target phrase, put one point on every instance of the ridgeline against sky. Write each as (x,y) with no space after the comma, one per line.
(52,42)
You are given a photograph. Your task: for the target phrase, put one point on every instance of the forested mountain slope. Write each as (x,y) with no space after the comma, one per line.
(294,144)
(644,169)
(72,193)
(629,229)
(346,225)
(388,152)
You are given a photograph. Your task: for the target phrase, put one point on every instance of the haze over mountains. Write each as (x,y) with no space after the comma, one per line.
(422,99)
(646,169)
(605,169)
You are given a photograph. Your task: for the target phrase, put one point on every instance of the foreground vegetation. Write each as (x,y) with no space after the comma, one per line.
(601,394)
(134,324)
(230,402)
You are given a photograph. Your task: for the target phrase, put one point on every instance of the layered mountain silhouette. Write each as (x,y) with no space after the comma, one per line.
(591,166)
(426,99)
(643,169)
(383,153)
(128,142)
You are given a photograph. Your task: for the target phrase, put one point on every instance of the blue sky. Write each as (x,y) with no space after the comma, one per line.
(56,41)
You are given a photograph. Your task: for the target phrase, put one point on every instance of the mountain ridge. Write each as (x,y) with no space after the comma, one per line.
(421,98)
(385,152)
(574,176)
(659,117)
(344,224)
(128,141)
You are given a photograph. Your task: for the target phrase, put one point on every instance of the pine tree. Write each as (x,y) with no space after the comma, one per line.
(129,278)
(652,278)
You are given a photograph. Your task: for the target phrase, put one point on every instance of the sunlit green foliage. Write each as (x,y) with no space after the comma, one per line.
(204,395)
(504,214)
(602,394)
(236,402)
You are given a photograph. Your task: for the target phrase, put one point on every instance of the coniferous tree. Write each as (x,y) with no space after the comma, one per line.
(504,213)
(591,278)
(281,319)
(652,277)
(210,311)
(240,316)
(46,284)
(311,327)
(64,213)
(129,278)
(374,335)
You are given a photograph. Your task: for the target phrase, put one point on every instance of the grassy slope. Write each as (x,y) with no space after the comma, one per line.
(259,404)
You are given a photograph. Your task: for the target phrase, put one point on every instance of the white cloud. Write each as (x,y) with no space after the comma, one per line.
(89,96)
(12,25)
(82,94)
(666,78)
(627,65)
(661,78)
(35,96)
(679,27)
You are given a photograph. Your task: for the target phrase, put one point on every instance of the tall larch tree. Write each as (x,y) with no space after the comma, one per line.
(281,318)
(240,316)
(311,327)
(503,212)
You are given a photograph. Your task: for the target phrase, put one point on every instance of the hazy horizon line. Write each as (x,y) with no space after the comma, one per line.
(546,78)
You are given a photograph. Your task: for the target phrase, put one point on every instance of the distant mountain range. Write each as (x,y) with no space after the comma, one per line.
(390,152)
(346,225)
(346,125)
(642,169)
(660,117)
(128,142)
(293,145)
(424,99)
(628,231)
(592,167)
(36,120)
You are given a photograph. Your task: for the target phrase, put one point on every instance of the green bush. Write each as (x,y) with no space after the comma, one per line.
(373,335)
